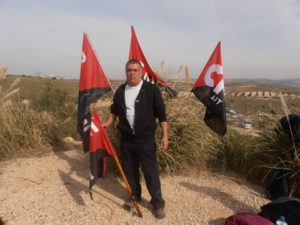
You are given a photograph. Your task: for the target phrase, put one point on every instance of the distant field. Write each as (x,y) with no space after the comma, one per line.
(71,86)
(31,86)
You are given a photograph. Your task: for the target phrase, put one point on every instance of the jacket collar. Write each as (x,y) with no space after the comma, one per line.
(142,90)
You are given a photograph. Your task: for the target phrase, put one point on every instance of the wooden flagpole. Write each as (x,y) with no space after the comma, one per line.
(135,204)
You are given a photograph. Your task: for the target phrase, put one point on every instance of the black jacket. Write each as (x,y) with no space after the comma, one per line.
(149,105)
(295,126)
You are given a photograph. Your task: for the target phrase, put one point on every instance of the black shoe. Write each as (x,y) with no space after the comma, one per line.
(159,213)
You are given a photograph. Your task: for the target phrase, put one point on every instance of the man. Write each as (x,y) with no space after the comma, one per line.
(137,104)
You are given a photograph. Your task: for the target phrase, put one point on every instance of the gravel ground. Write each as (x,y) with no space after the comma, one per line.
(52,189)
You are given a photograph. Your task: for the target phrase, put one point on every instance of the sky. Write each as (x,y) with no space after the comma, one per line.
(259,38)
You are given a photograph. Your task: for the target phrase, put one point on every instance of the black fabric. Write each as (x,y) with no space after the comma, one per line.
(215,116)
(216,121)
(285,206)
(171,92)
(97,167)
(84,130)
(149,105)
(86,98)
(295,126)
(278,184)
(136,152)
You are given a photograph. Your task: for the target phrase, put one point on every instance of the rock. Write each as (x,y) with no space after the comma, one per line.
(247,93)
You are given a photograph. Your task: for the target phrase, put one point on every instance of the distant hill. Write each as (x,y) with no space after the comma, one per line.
(285,82)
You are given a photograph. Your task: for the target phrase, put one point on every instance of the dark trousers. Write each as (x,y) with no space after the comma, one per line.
(142,152)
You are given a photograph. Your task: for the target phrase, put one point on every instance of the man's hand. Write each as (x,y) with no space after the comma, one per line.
(164,143)
(105,125)
(109,121)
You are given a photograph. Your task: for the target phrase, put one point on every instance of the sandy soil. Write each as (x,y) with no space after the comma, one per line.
(52,189)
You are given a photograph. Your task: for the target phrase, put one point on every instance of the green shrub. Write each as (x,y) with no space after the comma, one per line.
(54,100)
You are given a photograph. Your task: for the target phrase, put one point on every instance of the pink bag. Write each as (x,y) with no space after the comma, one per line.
(247,219)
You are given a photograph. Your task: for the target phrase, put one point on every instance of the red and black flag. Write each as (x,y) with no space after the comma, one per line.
(149,75)
(100,146)
(93,84)
(209,89)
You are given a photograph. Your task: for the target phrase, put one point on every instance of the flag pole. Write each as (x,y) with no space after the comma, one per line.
(114,156)
(135,204)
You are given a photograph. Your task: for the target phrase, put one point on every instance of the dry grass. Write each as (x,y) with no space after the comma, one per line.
(190,139)
(52,117)
(33,128)
(3,70)
(22,130)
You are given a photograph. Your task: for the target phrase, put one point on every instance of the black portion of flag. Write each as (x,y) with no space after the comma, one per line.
(171,92)
(215,115)
(85,99)
(84,130)
(97,167)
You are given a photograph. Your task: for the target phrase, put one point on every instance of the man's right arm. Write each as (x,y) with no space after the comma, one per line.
(113,113)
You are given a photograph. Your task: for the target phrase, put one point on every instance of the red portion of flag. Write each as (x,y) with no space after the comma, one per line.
(99,139)
(209,89)
(91,72)
(137,53)
(93,84)
(212,74)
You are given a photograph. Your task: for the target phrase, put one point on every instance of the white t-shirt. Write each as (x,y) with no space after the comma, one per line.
(131,92)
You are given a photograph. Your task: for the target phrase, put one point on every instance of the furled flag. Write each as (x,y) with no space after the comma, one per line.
(149,75)
(100,146)
(93,84)
(209,89)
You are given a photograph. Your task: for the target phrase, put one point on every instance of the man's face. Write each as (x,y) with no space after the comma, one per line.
(134,74)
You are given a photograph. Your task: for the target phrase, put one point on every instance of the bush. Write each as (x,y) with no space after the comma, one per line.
(53,113)
(237,152)
(256,157)
(54,101)
(44,124)
(22,130)
(63,109)
(191,143)
(280,152)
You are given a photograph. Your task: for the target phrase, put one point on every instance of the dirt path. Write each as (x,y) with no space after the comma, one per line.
(53,190)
